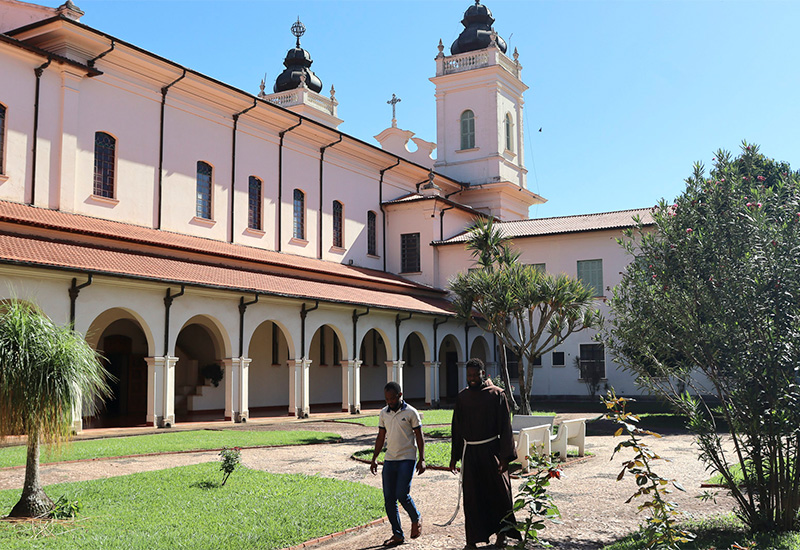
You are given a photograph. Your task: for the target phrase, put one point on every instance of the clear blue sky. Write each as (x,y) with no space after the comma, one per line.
(628,93)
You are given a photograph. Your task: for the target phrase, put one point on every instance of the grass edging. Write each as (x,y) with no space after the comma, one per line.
(188,451)
(325,538)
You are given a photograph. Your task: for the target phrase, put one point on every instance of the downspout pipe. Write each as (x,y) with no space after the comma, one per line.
(168,299)
(242,308)
(91,62)
(356,315)
(304,311)
(466,339)
(441,221)
(164,91)
(436,323)
(383,210)
(463,187)
(281,134)
(38,72)
(319,213)
(397,322)
(233,163)
(73,291)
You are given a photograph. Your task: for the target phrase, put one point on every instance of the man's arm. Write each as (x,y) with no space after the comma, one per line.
(373,467)
(421,448)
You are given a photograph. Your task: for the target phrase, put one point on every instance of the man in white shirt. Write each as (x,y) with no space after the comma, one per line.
(400,427)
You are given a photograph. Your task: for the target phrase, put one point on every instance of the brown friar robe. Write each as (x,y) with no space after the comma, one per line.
(482,413)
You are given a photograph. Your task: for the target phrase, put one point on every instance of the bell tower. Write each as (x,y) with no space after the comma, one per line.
(480,138)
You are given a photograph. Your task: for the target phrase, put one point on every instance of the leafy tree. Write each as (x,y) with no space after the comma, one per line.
(711,302)
(45,369)
(529,311)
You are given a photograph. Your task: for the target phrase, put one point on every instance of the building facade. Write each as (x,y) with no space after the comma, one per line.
(232,254)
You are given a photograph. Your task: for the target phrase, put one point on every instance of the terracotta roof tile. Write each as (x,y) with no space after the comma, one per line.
(24,250)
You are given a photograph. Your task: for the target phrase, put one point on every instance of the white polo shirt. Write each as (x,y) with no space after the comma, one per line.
(401,444)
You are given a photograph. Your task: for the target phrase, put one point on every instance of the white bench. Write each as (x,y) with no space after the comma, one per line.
(531,429)
(570,432)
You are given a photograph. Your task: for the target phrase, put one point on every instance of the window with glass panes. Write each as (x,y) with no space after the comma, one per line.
(558,359)
(509,128)
(409,252)
(299,222)
(204,175)
(338,237)
(539,267)
(372,236)
(593,361)
(590,272)
(105,147)
(467,129)
(254,203)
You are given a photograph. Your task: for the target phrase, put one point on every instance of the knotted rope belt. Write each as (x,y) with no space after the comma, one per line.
(461,476)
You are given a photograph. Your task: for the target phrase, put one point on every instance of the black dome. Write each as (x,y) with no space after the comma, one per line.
(297,64)
(478,31)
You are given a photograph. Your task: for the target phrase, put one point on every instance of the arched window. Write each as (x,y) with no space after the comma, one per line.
(204,179)
(299,215)
(372,233)
(338,226)
(2,137)
(509,131)
(254,203)
(467,129)
(105,148)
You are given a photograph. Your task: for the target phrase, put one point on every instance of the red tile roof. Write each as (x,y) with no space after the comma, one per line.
(566,224)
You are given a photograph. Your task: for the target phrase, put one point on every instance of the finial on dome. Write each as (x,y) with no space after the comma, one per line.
(441,47)
(262,86)
(516,55)
(69,10)
(298,30)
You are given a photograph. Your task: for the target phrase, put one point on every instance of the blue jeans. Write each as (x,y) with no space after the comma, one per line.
(397,476)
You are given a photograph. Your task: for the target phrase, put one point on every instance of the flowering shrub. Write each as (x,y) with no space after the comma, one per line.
(231,457)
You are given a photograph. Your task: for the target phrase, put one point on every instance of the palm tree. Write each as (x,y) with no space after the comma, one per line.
(45,370)
(529,311)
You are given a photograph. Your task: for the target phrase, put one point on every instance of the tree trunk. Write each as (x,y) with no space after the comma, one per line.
(507,380)
(33,503)
(524,388)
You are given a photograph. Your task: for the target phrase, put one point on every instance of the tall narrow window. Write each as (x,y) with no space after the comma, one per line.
(372,234)
(204,178)
(105,148)
(467,129)
(254,203)
(338,232)
(409,253)
(299,222)
(2,137)
(509,130)
(590,272)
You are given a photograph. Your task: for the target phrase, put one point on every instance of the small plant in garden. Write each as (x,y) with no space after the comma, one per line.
(536,501)
(65,508)
(660,530)
(231,457)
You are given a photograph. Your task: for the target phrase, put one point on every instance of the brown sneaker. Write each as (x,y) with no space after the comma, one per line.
(416,529)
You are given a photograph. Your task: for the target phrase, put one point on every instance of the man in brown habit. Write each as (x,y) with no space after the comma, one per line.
(482,436)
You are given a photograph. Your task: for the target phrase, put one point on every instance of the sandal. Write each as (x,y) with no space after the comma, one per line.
(416,529)
(393,541)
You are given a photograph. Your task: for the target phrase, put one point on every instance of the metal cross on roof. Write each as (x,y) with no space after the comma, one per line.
(393,102)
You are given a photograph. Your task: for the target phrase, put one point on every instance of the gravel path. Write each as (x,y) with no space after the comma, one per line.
(589,497)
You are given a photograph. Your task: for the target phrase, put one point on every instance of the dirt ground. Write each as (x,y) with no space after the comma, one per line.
(591,501)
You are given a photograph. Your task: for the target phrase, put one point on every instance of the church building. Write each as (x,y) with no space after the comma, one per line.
(235,255)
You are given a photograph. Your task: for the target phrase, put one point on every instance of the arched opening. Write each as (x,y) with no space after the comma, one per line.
(373,355)
(449,357)
(268,372)
(325,373)
(199,373)
(413,369)
(123,345)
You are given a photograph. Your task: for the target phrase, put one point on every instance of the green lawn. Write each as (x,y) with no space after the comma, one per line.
(167,442)
(719,533)
(436,454)
(184,508)
(429,418)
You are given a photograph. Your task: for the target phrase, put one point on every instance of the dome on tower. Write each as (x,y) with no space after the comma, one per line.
(477,33)
(297,65)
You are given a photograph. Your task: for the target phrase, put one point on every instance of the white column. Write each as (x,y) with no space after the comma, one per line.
(431,382)
(155,368)
(77,413)
(169,392)
(236,388)
(61,196)
(351,387)
(462,374)
(394,372)
(161,391)
(298,387)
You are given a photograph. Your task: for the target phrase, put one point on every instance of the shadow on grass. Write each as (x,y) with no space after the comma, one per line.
(206,485)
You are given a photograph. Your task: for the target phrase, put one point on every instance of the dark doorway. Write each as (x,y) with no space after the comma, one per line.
(451,371)
(129,386)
